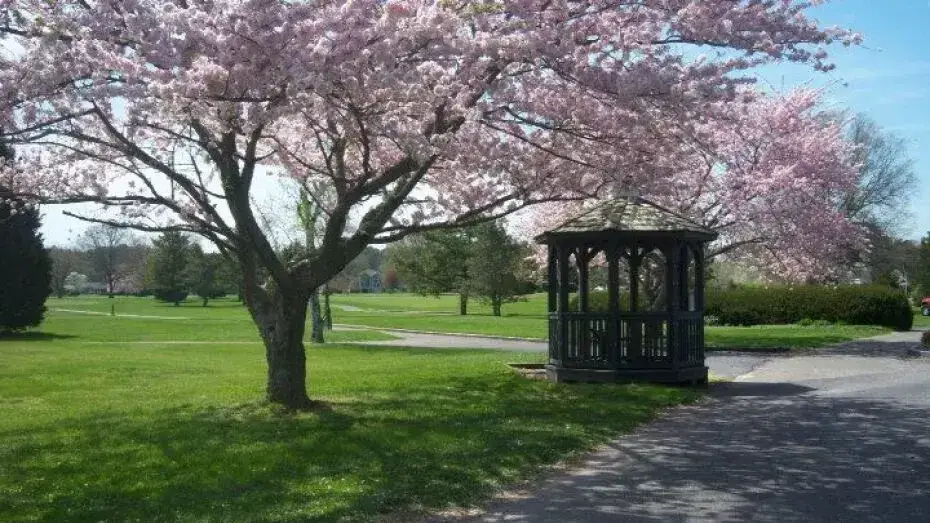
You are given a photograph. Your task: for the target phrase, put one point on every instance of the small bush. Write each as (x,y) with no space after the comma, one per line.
(810,304)
(599,301)
(170,296)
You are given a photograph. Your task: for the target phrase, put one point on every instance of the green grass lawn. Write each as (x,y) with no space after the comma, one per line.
(792,337)
(86,318)
(95,427)
(527,319)
(227,320)
(921,321)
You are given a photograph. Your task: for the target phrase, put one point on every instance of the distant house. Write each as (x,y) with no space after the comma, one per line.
(369,280)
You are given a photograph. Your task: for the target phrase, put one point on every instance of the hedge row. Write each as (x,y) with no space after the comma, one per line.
(781,305)
(773,305)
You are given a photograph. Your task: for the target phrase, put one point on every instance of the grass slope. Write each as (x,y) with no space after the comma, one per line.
(87,318)
(172,432)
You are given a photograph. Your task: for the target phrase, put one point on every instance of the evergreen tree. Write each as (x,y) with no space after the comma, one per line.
(496,266)
(168,267)
(204,273)
(481,261)
(435,262)
(25,265)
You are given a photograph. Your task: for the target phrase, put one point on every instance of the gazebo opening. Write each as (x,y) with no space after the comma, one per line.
(650,261)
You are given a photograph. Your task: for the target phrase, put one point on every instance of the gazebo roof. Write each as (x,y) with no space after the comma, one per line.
(628,215)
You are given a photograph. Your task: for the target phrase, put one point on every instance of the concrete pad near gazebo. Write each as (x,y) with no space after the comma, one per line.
(664,345)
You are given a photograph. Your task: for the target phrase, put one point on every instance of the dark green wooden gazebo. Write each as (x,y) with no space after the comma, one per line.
(627,340)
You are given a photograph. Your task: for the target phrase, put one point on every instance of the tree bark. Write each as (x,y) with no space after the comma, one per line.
(463,303)
(496,306)
(281,318)
(327,311)
(316,318)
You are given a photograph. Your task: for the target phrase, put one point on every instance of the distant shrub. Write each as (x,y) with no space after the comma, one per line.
(599,301)
(170,296)
(810,304)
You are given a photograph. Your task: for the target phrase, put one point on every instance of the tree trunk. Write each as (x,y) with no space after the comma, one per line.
(281,318)
(205,302)
(316,318)
(463,303)
(327,311)
(496,306)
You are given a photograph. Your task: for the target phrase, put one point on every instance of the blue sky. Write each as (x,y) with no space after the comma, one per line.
(887,78)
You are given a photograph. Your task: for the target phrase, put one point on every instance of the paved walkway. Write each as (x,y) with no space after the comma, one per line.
(722,364)
(843,436)
(451,341)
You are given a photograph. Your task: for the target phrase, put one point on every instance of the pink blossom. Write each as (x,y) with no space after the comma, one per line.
(444,112)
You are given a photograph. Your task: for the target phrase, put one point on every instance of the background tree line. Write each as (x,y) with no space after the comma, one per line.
(483,262)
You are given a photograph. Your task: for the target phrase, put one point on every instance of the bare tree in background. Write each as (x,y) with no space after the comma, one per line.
(64,262)
(880,204)
(105,245)
(888,177)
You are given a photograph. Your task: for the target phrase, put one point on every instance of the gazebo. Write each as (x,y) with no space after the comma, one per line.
(651,327)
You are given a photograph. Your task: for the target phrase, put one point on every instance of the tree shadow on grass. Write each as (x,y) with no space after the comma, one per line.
(429,445)
(34,336)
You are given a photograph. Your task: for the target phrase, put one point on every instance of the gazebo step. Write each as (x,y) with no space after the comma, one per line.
(688,375)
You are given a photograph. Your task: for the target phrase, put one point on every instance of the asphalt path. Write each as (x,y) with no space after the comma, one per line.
(726,365)
(843,435)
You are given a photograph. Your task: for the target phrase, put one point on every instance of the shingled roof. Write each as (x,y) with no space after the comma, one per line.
(628,215)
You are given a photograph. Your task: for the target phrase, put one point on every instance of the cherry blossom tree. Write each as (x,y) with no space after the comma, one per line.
(770,176)
(418,114)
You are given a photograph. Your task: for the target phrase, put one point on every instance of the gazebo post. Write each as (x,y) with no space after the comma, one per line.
(582,257)
(613,305)
(635,326)
(585,325)
(699,296)
(563,302)
(699,278)
(552,276)
(683,263)
(636,258)
(672,298)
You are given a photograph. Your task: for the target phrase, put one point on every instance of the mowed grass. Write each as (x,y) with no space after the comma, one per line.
(143,320)
(921,321)
(96,427)
(527,319)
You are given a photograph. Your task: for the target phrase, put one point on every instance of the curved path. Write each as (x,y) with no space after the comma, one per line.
(840,436)
(722,364)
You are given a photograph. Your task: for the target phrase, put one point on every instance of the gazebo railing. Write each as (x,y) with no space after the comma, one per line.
(639,340)
(691,339)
